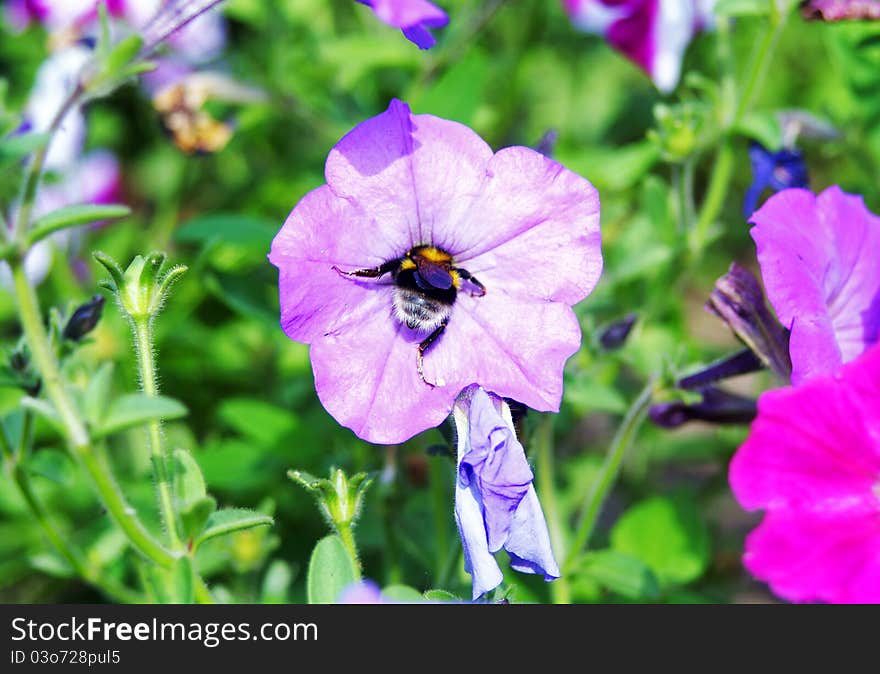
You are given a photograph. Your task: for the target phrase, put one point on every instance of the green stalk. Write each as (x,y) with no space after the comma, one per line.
(345,533)
(77,435)
(546,470)
(608,474)
(722,170)
(36,169)
(147,369)
(440,503)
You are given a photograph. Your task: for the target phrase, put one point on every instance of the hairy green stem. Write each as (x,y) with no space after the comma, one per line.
(77,435)
(546,483)
(608,474)
(347,536)
(143,337)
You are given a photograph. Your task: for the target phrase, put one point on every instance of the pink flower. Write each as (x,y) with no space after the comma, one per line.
(425,241)
(812,461)
(818,257)
(653,34)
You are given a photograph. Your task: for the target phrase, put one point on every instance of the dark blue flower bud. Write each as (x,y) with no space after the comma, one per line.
(84,319)
(716,406)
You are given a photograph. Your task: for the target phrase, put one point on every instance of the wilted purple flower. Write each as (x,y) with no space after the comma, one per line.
(496,505)
(654,34)
(413,17)
(424,243)
(776,170)
(818,257)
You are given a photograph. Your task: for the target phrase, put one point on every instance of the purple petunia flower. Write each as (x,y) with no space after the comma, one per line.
(420,228)
(812,461)
(413,17)
(496,505)
(653,34)
(818,257)
(776,170)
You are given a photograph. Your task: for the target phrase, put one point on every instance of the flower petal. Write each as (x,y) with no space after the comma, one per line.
(529,542)
(533,231)
(478,561)
(816,256)
(366,377)
(822,556)
(815,447)
(322,231)
(495,466)
(512,348)
(409,173)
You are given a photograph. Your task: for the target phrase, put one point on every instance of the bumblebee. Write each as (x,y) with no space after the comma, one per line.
(425,287)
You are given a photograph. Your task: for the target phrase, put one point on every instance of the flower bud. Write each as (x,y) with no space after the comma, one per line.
(739,301)
(84,319)
(339,498)
(715,406)
(142,288)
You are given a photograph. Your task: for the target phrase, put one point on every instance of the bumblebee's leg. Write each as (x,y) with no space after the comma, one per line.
(426,343)
(375,272)
(466,275)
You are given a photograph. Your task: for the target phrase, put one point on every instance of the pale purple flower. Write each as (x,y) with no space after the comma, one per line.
(812,462)
(520,223)
(496,505)
(654,34)
(414,17)
(362,592)
(56,78)
(818,257)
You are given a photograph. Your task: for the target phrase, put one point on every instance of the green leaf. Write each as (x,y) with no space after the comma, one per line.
(666,534)
(189,484)
(256,420)
(440,595)
(72,216)
(403,594)
(15,148)
(52,464)
(97,395)
(44,409)
(731,8)
(241,230)
(276,583)
(230,520)
(331,570)
(195,516)
(193,502)
(622,574)
(52,564)
(135,409)
(764,128)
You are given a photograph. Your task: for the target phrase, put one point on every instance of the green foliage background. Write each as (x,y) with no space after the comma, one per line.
(512,71)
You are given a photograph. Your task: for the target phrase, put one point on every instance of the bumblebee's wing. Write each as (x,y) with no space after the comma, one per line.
(435,275)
